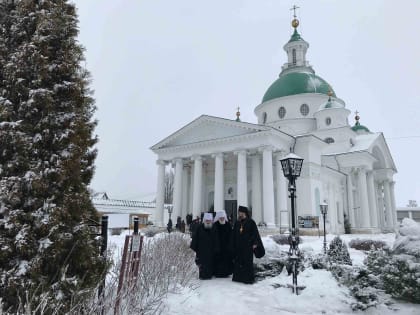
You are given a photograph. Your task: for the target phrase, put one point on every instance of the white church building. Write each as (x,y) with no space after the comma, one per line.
(222,163)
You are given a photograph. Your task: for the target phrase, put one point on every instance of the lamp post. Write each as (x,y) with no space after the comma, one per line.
(324,209)
(170,209)
(292,166)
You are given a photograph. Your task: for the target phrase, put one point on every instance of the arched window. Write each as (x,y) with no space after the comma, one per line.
(304,109)
(328,121)
(264,117)
(282,112)
(294,56)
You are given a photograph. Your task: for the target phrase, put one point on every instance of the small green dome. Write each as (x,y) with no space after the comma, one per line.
(331,104)
(359,127)
(296,83)
(295,37)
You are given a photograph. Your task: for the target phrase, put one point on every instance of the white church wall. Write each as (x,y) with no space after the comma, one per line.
(292,105)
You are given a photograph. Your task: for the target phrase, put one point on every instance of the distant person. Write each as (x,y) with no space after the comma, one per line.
(194,225)
(183,226)
(178,224)
(169,226)
(223,259)
(245,240)
(205,244)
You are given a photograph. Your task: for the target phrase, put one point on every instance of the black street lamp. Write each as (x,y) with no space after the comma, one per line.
(292,166)
(324,209)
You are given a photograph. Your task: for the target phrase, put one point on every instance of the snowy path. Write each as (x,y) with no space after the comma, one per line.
(321,296)
(222,296)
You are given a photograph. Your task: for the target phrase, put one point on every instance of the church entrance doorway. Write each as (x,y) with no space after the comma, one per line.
(231,207)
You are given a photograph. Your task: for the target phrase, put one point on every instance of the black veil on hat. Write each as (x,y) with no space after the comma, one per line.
(244,210)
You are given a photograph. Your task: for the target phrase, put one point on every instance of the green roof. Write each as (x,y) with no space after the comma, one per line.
(295,37)
(296,83)
(358,127)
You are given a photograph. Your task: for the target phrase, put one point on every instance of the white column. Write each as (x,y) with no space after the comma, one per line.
(281,193)
(160,194)
(372,200)
(191,190)
(268,187)
(242,179)
(198,177)
(388,206)
(256,189)
(185,179)
(350,199)
(379,194)
(219,201)
(394,208)
(177,197)
(364,202)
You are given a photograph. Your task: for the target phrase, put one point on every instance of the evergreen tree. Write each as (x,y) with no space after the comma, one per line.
(46,157)
(338,252)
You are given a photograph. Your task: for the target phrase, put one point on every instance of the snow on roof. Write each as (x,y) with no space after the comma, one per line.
(364,142)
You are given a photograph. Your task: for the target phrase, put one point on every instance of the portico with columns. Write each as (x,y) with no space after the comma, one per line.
(224,163)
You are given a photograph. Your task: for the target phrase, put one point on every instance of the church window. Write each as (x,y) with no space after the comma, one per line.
(328,121)
(282,112)
(294,57)
(264,117)
(329,140)
(304,109)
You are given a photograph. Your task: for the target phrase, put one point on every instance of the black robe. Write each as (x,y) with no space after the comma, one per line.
(243,255)
(205,244)
(223,259)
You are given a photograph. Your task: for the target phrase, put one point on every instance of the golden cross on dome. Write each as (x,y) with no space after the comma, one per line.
(238,108)
(294,10)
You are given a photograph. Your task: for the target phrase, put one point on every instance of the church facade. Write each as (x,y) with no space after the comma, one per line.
(222,164)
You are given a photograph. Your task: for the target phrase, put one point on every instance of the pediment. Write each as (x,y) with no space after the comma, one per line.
(208,128)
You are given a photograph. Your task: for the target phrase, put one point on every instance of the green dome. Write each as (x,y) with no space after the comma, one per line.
(358,127)
(296,83)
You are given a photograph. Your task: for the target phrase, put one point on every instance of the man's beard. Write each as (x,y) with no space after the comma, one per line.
(222,222)
(207,225)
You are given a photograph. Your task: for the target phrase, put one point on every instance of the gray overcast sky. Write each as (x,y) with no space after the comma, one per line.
(157,65)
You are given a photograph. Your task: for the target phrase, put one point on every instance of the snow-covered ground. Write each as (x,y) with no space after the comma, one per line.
(323,295)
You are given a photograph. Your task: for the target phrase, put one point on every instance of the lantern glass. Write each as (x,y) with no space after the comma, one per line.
(323,208)
(291,165)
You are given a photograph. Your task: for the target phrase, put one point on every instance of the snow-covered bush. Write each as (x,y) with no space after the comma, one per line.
(150,231)
(361,283)
(283,239)
(319,261)
(401,275)
(338,252)
(366,244)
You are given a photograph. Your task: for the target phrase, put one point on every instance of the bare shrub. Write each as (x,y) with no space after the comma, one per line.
(166,266)
(366,244)
(151,231)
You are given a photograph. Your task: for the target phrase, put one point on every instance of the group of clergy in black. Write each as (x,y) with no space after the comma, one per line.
(222,251)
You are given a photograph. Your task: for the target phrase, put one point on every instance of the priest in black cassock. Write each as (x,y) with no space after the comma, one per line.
(205,244)
(245,238)
(222,259)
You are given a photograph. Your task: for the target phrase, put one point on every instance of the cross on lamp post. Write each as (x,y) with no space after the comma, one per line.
(324,209)
(292,166)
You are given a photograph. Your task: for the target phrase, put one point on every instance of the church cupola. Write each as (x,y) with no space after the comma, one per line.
(296,48)
(358,127)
